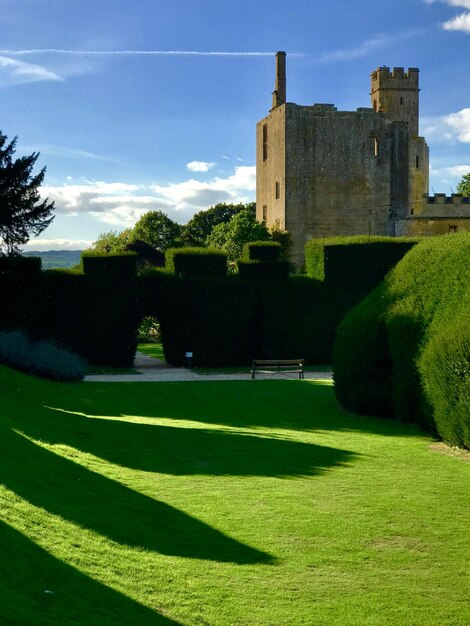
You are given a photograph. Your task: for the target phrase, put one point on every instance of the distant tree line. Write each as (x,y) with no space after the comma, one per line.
(226,227)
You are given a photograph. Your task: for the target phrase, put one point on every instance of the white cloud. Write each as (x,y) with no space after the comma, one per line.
(452,3)
(452,171)
(448,128)
(122,204)
(41,244)
(203,53)
(14,72)
(194,195)
(199,166)
(461,22)
(460,123)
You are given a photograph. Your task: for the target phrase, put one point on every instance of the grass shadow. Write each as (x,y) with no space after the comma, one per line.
(285,404)
(27,572)
(181,451)
(93,501)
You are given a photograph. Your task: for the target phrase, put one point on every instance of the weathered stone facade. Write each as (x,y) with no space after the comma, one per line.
(322,172)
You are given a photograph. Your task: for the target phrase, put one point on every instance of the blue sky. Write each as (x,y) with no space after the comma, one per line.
(153,104)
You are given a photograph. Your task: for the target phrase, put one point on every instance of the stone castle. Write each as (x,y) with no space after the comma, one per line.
(322,172)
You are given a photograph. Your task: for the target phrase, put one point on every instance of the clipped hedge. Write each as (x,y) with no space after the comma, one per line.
(261,251)
(218,320)
(354,259)
(20,266)
(95,315)
(42,358)
(404,351)
(196,262)
(103,267)
(299,320)
(263,270)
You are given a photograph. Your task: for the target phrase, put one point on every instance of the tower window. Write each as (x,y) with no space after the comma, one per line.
(265,212)
(265,142)
(277,190)
(417,162)
(375,106)
(401,100)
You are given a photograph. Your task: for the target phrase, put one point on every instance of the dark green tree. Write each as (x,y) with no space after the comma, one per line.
(157,230)
(464,185)
(201,224)
(22,214)
(231,236)
(112,242)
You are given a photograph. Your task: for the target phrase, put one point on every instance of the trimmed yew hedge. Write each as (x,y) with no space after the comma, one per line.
(196,262)
(404,351)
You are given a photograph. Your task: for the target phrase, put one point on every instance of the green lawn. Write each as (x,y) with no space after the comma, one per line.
(227,503)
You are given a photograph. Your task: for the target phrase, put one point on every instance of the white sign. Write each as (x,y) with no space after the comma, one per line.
(189,355)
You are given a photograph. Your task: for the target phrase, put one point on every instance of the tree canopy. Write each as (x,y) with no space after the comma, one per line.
(113,242)
(22,214)
(157,230)
(201,224)
(464,185)
(231,236)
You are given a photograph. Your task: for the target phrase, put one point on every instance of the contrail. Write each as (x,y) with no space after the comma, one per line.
(138,53)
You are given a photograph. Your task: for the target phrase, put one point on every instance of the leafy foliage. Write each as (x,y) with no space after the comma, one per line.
(22,213)
(157,230)
(463,186)
(200,226)
(112,242)
(231,236)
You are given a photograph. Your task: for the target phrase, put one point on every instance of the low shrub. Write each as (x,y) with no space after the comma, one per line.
(42,358)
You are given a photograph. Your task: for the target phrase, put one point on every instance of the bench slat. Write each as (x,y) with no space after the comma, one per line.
(278,366)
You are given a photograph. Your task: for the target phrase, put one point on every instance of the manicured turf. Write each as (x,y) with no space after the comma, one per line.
(152,349)
(230,503)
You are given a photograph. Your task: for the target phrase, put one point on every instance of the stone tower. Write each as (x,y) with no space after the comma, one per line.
(322,172)
(396,94)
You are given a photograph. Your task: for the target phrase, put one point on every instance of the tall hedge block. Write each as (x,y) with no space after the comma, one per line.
(359,258)
(263,270)
(196,262)
(262,251)
(218,320)
(111,289)
(404,351)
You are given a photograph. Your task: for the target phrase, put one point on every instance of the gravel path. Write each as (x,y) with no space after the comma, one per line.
(154,370)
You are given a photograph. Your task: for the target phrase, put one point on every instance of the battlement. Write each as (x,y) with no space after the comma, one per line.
(320,106)
(383,78)
(456,199)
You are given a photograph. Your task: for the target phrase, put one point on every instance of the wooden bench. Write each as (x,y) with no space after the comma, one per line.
(278,366)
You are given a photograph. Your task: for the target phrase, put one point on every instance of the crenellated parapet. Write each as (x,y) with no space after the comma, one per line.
(440,205)
(382,78)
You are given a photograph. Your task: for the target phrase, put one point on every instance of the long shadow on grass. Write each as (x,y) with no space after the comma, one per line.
(93,501)
(182,451)
(27,572)
(289,404)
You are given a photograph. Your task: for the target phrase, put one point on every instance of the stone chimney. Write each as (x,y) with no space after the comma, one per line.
(279,93)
